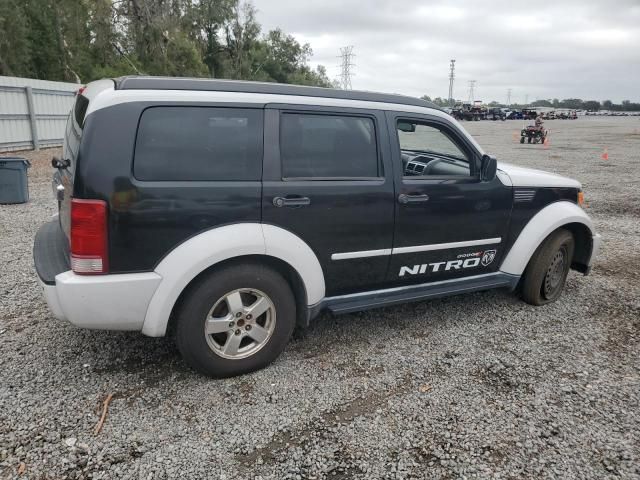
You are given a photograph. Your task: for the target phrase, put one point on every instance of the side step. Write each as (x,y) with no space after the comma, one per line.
(411,293)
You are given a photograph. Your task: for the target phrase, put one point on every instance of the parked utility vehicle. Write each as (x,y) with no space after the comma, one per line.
(229,212)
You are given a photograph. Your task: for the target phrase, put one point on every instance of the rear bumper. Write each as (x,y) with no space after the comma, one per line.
(106,302)
(103,302)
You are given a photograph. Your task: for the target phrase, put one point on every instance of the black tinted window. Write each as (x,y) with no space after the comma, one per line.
(327,146)
(199,143)
(80,109)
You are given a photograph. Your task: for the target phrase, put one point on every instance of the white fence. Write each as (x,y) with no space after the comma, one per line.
(33,113)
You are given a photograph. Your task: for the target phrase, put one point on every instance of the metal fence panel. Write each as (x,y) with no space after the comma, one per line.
(22,127)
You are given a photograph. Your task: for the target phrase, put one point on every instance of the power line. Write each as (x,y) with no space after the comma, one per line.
(452,75)
(346,64)
(472,84)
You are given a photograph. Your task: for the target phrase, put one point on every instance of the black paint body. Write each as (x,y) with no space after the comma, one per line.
(347,215)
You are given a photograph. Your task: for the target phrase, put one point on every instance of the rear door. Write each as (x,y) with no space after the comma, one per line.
(449,223)
(324,180)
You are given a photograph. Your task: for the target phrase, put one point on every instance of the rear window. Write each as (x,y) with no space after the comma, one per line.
(328,146)
(199,143)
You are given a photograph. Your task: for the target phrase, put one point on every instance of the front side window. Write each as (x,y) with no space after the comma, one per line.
(199,143)
(428,150)
(328,146)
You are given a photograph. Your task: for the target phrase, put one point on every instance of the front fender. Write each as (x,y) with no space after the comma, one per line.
(539,227)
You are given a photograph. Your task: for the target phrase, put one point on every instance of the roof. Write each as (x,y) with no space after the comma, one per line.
(209,84)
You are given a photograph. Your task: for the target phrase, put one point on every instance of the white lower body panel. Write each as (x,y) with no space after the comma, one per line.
(597,241)
(104,302)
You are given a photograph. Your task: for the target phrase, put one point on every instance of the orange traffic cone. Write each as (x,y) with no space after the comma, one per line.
(605,154)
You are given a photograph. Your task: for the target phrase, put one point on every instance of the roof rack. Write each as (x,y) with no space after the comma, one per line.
(217,85)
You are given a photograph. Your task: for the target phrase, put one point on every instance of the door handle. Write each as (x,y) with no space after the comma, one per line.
(291,201)
(404,198)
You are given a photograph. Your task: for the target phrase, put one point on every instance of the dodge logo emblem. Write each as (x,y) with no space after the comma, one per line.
(488,257)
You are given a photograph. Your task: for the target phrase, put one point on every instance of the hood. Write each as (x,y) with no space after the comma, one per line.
(529,177)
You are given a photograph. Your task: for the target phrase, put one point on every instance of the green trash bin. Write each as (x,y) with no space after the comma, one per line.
(14,187)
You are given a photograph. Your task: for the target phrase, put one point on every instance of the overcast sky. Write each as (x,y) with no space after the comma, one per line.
(588,49)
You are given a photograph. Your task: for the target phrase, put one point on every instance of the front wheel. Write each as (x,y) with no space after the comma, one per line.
(547,271)
(235,320)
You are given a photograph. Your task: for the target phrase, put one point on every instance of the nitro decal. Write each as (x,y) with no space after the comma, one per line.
(464,260)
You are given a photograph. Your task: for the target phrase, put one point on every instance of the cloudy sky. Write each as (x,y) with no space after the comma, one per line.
(588,49)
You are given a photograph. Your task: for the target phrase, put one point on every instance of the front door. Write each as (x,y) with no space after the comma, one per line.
(449,223)
(324,180)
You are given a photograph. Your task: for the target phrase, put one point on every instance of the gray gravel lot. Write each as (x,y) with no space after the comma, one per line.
(478,385)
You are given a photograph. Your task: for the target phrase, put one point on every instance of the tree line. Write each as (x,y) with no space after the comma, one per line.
(83,40)
(569,103)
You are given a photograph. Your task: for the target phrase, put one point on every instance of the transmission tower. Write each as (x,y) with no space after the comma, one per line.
(452,75)
(346,64)
(472,84)
(508,97)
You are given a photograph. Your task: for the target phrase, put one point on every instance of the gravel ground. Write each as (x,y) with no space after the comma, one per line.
(478,385)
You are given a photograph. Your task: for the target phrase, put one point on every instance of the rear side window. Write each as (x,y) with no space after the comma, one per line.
(80,109)
(328,146)
(199,143)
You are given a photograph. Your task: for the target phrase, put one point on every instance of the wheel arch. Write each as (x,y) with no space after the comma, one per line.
(279,248)
(561,214)
(583,238)
(290,274)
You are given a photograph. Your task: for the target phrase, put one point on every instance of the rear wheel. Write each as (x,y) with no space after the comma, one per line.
(546,274)
(235,320)
(521,139)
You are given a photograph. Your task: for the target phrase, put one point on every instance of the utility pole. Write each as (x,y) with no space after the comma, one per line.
(346,64)
(508,97)
(472,84)
(452,75)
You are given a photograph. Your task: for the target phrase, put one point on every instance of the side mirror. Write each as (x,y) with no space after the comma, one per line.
(488,168)
(60,164)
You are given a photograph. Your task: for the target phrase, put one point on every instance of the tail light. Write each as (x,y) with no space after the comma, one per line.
(89,252)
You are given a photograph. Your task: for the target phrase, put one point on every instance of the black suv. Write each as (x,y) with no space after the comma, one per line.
(230,212)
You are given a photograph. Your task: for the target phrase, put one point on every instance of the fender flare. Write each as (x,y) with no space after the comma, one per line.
(539,227)
(189,259)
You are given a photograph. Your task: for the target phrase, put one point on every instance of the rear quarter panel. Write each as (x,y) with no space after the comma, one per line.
(149,219)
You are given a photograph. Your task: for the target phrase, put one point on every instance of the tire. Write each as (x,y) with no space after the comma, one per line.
(521,139)
(237,342)
(528,139)
(547,271)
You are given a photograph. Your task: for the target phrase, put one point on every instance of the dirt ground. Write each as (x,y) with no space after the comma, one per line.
(472,386)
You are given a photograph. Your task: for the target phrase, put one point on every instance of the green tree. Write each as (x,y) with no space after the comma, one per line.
(81,40)
(592,105)
(15,45)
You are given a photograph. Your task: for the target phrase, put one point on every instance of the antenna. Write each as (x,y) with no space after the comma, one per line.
(472,84)
(346,64)
(508,97)
(452,75)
